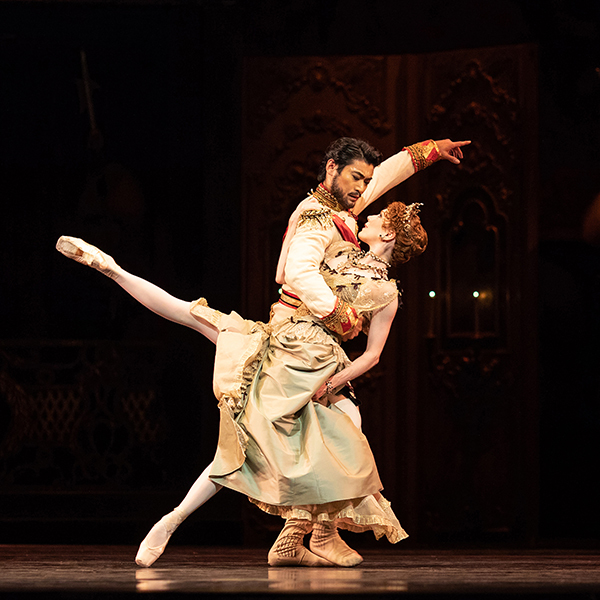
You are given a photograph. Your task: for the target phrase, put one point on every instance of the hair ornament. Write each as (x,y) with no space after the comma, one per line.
(412,210)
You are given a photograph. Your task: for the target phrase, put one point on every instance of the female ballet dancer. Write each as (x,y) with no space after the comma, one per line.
(286,439)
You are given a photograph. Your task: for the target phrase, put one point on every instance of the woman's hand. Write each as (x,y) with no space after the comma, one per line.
(321,398)
(378,334)
(329,388)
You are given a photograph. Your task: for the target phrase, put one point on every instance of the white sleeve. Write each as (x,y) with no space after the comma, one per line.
(306,204)
(305,256)
(387,175)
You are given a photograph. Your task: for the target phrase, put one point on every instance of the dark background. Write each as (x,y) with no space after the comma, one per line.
(162,194)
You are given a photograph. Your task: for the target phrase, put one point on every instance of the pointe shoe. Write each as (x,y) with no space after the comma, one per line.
(326,542)
(87,254)
(288,551)
(147,555)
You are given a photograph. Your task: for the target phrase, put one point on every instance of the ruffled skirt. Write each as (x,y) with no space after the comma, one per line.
(291,456)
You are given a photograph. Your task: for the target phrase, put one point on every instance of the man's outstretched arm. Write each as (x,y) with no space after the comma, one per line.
(407,162)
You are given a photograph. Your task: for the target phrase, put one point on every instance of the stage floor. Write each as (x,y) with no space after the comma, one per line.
(109,571)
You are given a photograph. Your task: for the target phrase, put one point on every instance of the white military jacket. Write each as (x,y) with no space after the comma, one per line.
(304,246)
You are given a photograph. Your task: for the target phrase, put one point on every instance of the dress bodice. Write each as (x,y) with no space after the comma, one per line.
(349,276)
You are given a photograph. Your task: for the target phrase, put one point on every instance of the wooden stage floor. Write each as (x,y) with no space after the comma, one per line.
(109,572)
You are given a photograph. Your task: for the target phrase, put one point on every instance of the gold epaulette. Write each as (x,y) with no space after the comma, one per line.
(315,218)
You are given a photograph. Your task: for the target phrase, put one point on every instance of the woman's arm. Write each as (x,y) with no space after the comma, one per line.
(378,334)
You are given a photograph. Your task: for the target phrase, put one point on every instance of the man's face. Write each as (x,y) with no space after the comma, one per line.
(348,185)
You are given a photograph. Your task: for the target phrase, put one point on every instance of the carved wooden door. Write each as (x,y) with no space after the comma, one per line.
(450,411)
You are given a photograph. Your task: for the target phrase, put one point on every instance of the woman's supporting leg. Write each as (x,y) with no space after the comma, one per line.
(202,491)
(155,542)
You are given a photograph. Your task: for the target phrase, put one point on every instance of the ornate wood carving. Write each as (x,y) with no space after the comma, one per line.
(357,81)
(471,411)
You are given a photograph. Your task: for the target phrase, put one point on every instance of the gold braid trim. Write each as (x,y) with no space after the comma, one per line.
(424,154)
(289,299)
(324,196)
(315,218)
(341,319)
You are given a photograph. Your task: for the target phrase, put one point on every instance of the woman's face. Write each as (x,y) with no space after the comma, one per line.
(374,229)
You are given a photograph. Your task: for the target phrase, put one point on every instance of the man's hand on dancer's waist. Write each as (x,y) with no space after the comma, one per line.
(354,331)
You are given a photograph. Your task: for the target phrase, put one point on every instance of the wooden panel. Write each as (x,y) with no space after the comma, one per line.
(474,378)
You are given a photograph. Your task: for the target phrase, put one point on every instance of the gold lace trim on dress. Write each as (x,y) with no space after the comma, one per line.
(237,397)
(353,515)
(201,311)
(256,338)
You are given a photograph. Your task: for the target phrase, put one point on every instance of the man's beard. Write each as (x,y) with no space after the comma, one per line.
(338,194)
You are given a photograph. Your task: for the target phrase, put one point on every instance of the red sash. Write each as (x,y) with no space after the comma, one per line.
(345,231)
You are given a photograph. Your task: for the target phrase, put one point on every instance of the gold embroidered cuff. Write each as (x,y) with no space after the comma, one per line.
(341,319)
(423,154)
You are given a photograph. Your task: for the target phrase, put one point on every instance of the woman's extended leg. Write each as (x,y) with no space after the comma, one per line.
(155,542)
(148,294)
(169,307)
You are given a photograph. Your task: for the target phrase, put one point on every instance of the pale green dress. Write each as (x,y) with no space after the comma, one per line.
(292,456)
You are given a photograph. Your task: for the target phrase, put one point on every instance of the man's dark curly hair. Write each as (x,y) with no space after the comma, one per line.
(346,150)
